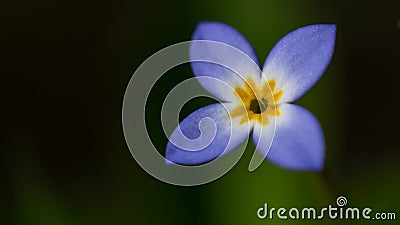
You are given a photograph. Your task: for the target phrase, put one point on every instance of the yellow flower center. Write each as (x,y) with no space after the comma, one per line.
(259,103)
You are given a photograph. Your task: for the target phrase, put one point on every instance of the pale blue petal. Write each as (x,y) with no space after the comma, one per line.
(299,59)
(207,133)
(298,142)
(222,53)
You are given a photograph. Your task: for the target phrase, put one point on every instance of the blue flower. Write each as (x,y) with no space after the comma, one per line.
(256,101)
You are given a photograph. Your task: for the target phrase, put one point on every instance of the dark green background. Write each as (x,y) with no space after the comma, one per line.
(65,67)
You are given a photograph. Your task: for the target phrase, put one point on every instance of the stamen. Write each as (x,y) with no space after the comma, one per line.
(258,107)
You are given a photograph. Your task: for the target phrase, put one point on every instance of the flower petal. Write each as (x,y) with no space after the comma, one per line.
(300,58)
(224,54)
(204,135)
(298,142)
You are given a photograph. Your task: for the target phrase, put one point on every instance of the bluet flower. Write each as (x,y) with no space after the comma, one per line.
(256,102)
